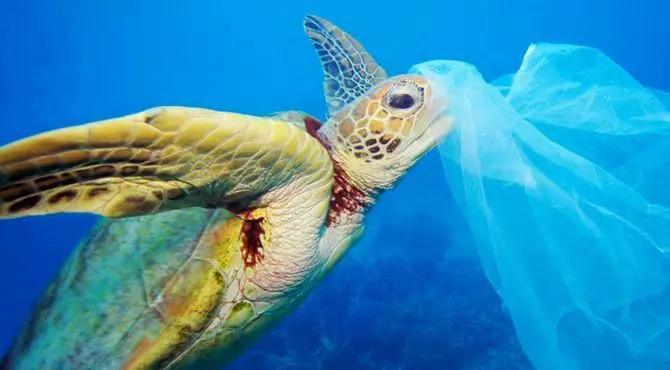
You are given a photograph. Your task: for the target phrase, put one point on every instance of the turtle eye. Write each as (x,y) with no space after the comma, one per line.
(404,97)
(401,101)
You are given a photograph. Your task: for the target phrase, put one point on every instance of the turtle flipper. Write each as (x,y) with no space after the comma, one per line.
(349,70)
(103,168)
(161,159)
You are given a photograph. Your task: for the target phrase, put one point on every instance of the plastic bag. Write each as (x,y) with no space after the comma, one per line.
(558,170)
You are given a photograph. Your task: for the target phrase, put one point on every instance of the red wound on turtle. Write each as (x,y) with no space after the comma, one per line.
(312,125)
(252,246)
(346,197)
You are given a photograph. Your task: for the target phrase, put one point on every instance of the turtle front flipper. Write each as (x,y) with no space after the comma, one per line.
(157,160)
(349,70)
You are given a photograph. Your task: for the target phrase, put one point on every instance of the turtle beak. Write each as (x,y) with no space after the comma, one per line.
(435,121)
(449,84)
(440,120)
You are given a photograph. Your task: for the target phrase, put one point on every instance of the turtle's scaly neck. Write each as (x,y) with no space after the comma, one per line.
(347,198)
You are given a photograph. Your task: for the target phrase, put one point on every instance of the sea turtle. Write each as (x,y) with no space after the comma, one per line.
(217,224)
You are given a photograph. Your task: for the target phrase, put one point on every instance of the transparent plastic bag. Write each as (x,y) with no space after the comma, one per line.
(558,170)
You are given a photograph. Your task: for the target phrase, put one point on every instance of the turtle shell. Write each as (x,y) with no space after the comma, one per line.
(136,293)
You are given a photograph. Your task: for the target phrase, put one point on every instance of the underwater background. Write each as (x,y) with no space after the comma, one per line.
(412,294)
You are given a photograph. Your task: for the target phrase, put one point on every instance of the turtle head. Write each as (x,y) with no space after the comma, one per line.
(378,138)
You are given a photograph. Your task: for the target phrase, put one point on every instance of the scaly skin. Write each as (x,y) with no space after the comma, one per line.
(349,70)
(161,159)
(260,211)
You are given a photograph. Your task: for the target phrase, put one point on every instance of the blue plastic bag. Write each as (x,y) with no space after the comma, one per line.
(562,171)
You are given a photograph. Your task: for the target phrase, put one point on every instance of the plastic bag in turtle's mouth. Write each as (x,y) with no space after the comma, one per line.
(562,171)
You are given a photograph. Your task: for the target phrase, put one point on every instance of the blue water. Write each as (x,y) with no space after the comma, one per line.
(406,296)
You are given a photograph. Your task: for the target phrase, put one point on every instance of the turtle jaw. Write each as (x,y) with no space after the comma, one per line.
(436,124)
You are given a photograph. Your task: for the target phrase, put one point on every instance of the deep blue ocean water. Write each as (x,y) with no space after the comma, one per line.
(407,296)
